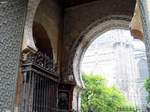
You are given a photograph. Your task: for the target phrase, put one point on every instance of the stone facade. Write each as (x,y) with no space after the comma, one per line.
(12,17)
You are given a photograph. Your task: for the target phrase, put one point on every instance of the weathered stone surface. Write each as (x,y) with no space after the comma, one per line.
(12,17)
(146,23)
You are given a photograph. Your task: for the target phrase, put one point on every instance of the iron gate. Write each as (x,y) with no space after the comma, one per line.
(40,84)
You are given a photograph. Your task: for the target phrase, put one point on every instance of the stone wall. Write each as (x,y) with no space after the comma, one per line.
(12,18)
(144,8)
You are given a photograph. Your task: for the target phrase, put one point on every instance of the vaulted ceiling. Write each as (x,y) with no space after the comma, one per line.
(70,3)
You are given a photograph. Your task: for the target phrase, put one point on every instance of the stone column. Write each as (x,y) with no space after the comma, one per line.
(145,15)
(12,18)
(76,104)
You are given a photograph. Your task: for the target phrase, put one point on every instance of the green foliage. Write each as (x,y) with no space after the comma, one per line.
(98,97)
(147,87)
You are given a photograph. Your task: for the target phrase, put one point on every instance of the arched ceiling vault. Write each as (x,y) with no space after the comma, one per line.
(71,3)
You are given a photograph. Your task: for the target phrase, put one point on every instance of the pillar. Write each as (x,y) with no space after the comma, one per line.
(12,18)
(76,104)
(145,15)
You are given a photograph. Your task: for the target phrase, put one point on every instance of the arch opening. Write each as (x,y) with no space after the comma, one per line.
(115,56)
(88,37)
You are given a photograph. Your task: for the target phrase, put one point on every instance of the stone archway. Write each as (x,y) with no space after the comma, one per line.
(50,21)
(85,39)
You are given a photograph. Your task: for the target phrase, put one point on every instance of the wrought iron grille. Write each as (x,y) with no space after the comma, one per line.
(41,60)
(40,84)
